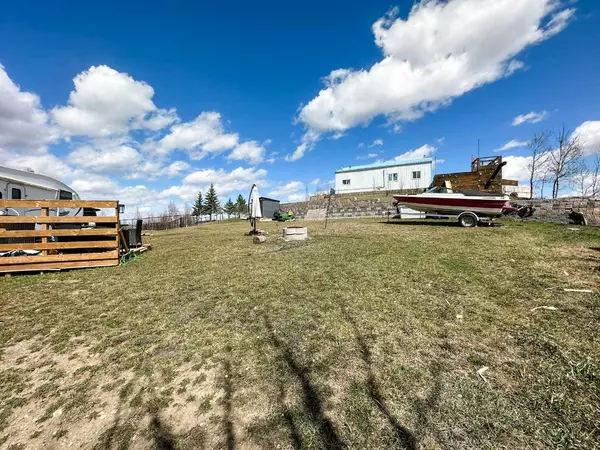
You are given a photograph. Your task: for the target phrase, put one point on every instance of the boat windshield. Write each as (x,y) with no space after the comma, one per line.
(439,190)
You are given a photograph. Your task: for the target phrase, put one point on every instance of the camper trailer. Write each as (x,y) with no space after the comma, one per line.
(27,185)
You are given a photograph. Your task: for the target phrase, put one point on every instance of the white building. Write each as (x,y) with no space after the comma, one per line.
(416,174)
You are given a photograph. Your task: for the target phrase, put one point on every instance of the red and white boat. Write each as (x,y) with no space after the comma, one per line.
(445,201)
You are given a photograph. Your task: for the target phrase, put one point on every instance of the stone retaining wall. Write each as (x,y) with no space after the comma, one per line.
(342,206)
(557,210)
(371,205)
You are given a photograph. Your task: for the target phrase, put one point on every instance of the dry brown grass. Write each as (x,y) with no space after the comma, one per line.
(369,335)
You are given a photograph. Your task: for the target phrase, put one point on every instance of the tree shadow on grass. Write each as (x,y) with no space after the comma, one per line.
(289,418)
(123,428)
(426,406)
(161,434)
(228,394)
(112,433)
(403,435)
(310,397)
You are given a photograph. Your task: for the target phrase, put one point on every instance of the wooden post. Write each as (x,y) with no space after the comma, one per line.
(45,213)
(259,239)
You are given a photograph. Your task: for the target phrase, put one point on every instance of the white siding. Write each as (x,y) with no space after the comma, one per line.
(377,178)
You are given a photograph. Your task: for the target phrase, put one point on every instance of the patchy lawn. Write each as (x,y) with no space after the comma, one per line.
(367,336)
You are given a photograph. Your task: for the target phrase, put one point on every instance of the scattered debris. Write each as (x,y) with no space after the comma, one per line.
(459,317)
(19,253)
(512,260)
(549,308)
(256,232)
(589,291)
(481,371)
(573,229)
(142,249)
(577,218)
(145,233)
(566,273)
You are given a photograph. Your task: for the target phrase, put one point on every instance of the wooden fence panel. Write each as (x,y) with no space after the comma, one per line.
(80,242)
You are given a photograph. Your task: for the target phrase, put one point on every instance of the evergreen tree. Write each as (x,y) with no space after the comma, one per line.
(211,203)
(230,208)
(241,207)
(198,208)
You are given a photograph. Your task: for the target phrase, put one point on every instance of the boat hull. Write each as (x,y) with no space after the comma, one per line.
(453,204)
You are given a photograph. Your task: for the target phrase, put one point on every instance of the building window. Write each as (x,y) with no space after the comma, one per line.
(65,195)
(345,181)
(16,194)
(417,175)
(393,177)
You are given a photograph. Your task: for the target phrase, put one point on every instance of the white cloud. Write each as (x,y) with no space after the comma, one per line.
(516,167)
(225,183)
(95,186)
(159,119)
(425,151)
(105,102)
(23,122)
(361,144)
(514,66)
(338,135)
(109,160)
(202,136)
(175,169)
(532,117)
(315,182)
(309,140)
(98,187)
(292,192)
(513,143)
(367,156)
(376,142)
(441,51)
(252,151)
(153,170)
(589,136)
(42,162)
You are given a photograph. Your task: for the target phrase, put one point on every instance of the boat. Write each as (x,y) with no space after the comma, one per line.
(445,201)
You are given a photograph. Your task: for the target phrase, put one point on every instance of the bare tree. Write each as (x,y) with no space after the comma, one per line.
(543,179)
(594,173)
(538,147)
(172,210)
(581,180)
(564,161)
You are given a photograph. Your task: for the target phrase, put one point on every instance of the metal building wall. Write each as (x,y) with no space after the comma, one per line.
(377,178)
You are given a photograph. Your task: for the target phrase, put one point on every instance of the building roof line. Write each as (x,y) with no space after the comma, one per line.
(386,164)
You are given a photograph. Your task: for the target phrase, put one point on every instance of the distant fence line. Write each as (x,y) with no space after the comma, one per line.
(168,222)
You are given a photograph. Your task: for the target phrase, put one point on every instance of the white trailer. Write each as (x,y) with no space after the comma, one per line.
(27,185)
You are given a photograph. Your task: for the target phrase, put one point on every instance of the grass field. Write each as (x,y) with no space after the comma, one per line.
(367,336)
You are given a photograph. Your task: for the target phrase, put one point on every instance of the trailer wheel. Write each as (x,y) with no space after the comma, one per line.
(468,220)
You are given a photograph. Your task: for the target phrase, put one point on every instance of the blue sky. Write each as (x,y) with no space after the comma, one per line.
(149,102)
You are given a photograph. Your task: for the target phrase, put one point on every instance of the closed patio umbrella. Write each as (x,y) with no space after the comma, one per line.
(254,206)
